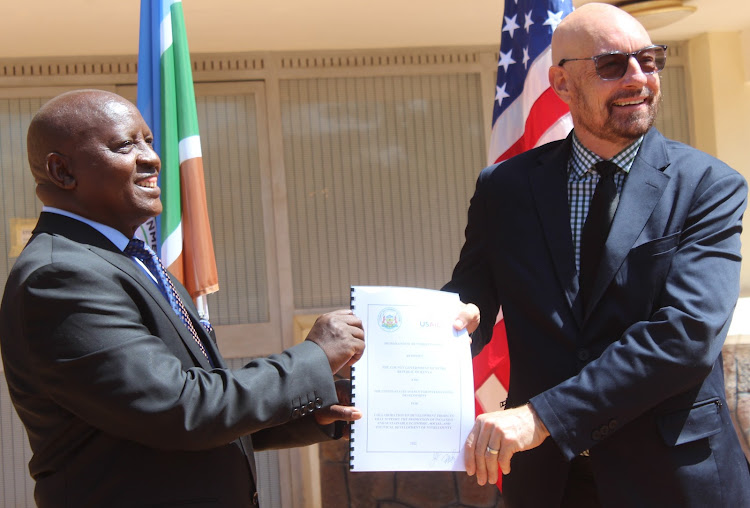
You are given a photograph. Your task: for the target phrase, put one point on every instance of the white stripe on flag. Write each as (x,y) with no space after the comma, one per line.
(512,123)
(165,33)
(558,130)
(190,148)
(172,246)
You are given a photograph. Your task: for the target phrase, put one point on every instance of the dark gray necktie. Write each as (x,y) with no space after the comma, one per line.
(597,225)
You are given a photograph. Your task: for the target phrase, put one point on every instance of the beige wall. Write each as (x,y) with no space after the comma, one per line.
(721,109)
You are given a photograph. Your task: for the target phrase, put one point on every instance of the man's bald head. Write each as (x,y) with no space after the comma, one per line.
(60,123)
(589,29)
(91,154)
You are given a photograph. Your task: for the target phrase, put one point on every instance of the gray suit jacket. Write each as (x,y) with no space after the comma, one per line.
(636,376)
(121,406)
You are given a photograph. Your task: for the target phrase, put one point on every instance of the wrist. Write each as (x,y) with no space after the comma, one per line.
(538,423)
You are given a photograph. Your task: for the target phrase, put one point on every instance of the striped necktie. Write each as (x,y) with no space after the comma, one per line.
(136,248)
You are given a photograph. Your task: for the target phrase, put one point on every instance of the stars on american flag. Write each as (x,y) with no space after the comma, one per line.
(554,19)
(500,93)
(519,44)
(505,60)
(528,21)
(510,25)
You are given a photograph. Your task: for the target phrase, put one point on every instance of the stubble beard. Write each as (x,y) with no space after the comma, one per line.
(618,128)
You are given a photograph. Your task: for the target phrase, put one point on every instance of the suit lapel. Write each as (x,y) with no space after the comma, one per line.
(125,264)
(548,182)
(643,188)
(99,244)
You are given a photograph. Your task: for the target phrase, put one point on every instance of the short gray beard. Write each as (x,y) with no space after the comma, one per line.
(616,132)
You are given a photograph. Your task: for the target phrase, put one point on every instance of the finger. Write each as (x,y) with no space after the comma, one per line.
(342,312)
(469,459)
(337,413)
(492,465)
(504,460)
(345,413)
(356,332)
(343,391)
(354,359)
(480,458)
(468,317)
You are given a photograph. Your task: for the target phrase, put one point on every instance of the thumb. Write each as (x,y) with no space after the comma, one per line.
(337,412)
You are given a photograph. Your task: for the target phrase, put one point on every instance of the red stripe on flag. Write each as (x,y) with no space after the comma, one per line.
(494,359)
(547,110)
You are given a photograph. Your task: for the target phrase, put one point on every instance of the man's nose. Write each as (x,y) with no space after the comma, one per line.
(634,71)
(147,155)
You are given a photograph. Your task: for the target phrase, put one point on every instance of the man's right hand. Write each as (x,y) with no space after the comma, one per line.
(340,335)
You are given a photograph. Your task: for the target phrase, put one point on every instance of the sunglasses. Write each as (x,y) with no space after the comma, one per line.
(614,65)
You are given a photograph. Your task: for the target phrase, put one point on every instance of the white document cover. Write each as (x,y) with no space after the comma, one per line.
(414,383)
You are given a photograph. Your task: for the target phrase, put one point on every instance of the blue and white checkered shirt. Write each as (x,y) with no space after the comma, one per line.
(582,180)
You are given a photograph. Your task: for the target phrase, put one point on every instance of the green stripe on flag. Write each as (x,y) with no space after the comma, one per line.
(188,118)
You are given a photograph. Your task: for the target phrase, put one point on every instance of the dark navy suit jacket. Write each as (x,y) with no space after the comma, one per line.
(635,376)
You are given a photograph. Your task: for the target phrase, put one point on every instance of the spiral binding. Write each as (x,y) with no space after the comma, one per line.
(351,393)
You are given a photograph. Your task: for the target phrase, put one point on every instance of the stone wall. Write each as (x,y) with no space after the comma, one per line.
(736,355)
(341,488)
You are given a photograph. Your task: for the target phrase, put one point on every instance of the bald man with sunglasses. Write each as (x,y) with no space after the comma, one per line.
(615,256)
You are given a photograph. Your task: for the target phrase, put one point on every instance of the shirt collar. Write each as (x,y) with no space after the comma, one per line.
(582,159)
(113,235)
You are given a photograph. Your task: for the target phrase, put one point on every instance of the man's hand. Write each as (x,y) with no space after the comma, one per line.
(468,317)
(341,411)
(505,433)
(340,335)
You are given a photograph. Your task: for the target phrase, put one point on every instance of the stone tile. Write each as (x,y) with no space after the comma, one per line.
(333,488)
(334,451)
(743,415)
(730,375)
(366,489)
(478,496)
(742,355)
(426,489)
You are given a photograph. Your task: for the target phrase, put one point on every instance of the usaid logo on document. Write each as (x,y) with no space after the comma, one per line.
(390,320)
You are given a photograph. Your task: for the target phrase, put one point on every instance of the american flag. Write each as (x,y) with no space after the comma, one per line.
(526,113)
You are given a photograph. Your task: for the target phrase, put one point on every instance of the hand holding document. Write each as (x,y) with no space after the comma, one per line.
(414,382)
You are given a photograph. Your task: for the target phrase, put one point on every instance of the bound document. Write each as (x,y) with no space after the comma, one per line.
(414,383)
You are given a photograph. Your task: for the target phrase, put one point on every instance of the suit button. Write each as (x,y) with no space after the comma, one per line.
(310,407)
(318,403)
(596,435)
(583,355)
(295,413)
(302,411)
(604,430)
(612,424)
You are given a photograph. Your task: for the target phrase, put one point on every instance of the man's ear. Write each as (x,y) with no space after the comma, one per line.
(58,171)
(560,82)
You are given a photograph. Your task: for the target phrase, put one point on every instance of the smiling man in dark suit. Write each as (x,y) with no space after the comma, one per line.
(128,402)
(617,282)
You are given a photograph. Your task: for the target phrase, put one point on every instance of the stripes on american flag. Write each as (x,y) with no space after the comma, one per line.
(526,113)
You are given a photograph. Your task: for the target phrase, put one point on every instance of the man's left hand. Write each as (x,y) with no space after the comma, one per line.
(497,436)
